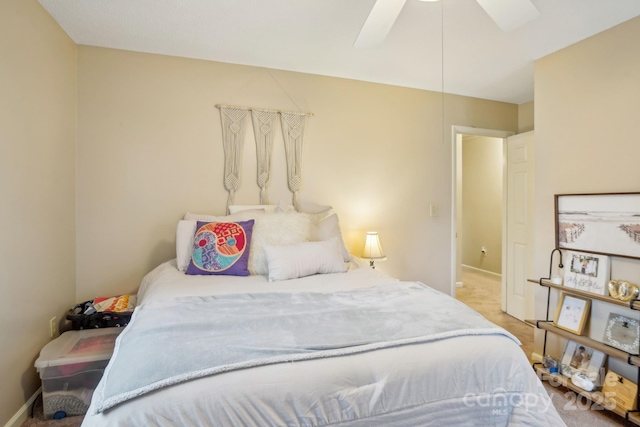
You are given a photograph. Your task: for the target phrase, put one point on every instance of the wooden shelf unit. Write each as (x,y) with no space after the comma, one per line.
(593,396)
(597,345)
(548,326)
(547,283)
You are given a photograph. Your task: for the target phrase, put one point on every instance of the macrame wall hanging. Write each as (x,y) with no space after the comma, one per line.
(293,134)
(233,128)
(263,121)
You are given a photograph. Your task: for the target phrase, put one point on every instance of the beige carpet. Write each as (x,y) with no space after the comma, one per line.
(39,421)
(482,292)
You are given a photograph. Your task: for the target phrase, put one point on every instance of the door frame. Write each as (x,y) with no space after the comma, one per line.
(468,130)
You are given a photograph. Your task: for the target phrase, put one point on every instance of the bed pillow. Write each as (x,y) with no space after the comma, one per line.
(276,229)
(221,248)
(187,228)
(213,218)
(326,227)
(304,259)
(239,208)
(280,207)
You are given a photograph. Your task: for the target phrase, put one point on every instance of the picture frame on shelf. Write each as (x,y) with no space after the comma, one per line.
(572,313)
(581,359)
(623,333)
(599,223)
(622,391)
(587,272)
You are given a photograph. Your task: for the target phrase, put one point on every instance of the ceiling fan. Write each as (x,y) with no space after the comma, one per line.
(508,15)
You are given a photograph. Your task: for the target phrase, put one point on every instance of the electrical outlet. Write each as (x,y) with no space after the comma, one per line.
(53,327)
(433,210)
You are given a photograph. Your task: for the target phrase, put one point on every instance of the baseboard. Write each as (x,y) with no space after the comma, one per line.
(23,412)
(536,357)
(479,270)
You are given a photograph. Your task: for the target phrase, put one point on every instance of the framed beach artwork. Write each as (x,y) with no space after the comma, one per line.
(601,223)
(587,272)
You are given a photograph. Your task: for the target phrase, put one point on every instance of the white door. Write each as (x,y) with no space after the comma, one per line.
(519,253)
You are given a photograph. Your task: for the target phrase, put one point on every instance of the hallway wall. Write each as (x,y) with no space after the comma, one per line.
(482,164)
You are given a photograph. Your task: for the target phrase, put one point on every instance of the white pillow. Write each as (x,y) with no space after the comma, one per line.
(280,207)
(304,259)
(186,230)
(313,208)
(216,218)
(184,242)
(239,208)
(327,227)
(276,229)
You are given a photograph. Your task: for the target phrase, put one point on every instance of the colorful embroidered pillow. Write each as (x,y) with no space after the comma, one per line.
(221,248)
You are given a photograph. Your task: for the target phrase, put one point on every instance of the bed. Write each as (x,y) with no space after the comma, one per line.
(420,358)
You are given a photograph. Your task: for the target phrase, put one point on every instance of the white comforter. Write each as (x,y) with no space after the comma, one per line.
(477,380)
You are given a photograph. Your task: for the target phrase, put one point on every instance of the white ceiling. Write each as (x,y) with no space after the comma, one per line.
(475,57)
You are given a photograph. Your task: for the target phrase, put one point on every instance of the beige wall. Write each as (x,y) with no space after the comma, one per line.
(525,117)
(149,149)
(482,202)
(586,115)
(37,190)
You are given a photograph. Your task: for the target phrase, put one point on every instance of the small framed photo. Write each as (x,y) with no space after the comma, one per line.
(623,333)
(581,359)
(587,272)
(572,313)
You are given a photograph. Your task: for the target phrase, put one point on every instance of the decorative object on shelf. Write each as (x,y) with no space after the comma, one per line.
(551,364)
(372,249)
(572,313)
(623,290)
(581,380)
(603,223)
(621,391)
(622,333)
(555,277)
(580,359)
(587,272)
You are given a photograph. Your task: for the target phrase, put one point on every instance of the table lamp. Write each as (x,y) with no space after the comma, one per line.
(372,249)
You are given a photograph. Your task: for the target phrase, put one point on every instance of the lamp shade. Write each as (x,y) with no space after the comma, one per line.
(372,248)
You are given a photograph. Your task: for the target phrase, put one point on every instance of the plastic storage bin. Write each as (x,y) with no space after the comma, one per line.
(70,368)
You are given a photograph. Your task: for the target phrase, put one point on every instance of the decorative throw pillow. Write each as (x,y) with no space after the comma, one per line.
(221,248)
(187,228)
(304,259)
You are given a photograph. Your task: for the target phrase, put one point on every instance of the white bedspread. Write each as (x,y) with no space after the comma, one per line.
(462,381)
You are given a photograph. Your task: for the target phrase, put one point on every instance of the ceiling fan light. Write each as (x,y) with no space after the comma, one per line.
(379,23)
(429,0)
(510,14)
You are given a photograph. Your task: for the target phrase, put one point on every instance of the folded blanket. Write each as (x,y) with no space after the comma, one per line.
(174,341)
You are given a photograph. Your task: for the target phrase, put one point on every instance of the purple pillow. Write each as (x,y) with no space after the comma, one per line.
(221,248)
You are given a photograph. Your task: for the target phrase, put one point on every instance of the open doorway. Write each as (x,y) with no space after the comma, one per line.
(480,207)
(480,201)
(516,211)
(486,179)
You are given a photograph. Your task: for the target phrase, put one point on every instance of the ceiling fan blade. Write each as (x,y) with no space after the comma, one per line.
(379,23)
(510,14)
